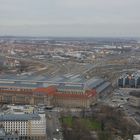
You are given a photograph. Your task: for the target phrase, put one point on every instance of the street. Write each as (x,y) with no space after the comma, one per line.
(53,126)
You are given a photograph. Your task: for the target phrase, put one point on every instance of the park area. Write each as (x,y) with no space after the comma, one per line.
(88,123)
(105,123)
(78,128)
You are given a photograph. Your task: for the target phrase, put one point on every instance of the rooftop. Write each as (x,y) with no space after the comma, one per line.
(19,117)
(38,81)
(83,96)
(103,87)
(60,83)
(48,90)
(94,83)
(70,87)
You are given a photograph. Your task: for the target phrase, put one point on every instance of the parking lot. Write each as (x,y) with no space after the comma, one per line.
(120,99)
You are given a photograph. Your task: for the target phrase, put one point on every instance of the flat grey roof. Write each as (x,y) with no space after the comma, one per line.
(67,81)
(19,117)
(94,83)
(69,87)
(103,87)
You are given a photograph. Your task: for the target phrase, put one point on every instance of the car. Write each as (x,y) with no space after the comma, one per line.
(56,131)
(49,117)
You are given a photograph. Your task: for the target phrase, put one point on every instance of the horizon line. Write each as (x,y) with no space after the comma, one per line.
(38,36)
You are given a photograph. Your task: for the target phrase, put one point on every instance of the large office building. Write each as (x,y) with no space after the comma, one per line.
(27,126)
(74,96)
(58,93)
(129,80)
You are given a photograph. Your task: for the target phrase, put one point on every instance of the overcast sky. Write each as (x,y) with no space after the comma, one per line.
(91,18)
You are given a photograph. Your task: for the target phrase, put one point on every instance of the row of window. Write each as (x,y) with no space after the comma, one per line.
(71,92)
(16,89)
(16,121)
(12,139)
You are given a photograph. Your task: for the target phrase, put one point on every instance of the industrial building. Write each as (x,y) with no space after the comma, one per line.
(76,94)
(26,96)
(58,93)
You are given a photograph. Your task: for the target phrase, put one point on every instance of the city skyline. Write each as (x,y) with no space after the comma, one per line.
(84,18)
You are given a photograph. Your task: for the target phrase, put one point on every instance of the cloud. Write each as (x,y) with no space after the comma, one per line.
(70,16)
(95,3)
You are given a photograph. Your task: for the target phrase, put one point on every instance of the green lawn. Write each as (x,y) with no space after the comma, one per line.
(87,122)
(91,124)
(68,121)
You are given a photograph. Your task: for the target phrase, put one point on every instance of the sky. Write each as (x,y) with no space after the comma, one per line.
(71,18)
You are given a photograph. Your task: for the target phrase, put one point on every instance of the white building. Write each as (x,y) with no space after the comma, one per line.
(20,109)
(38,127)
(26,125)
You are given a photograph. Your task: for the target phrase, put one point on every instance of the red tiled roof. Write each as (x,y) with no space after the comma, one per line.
(90,92)
(68,95)
(16,92)
(49,90)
